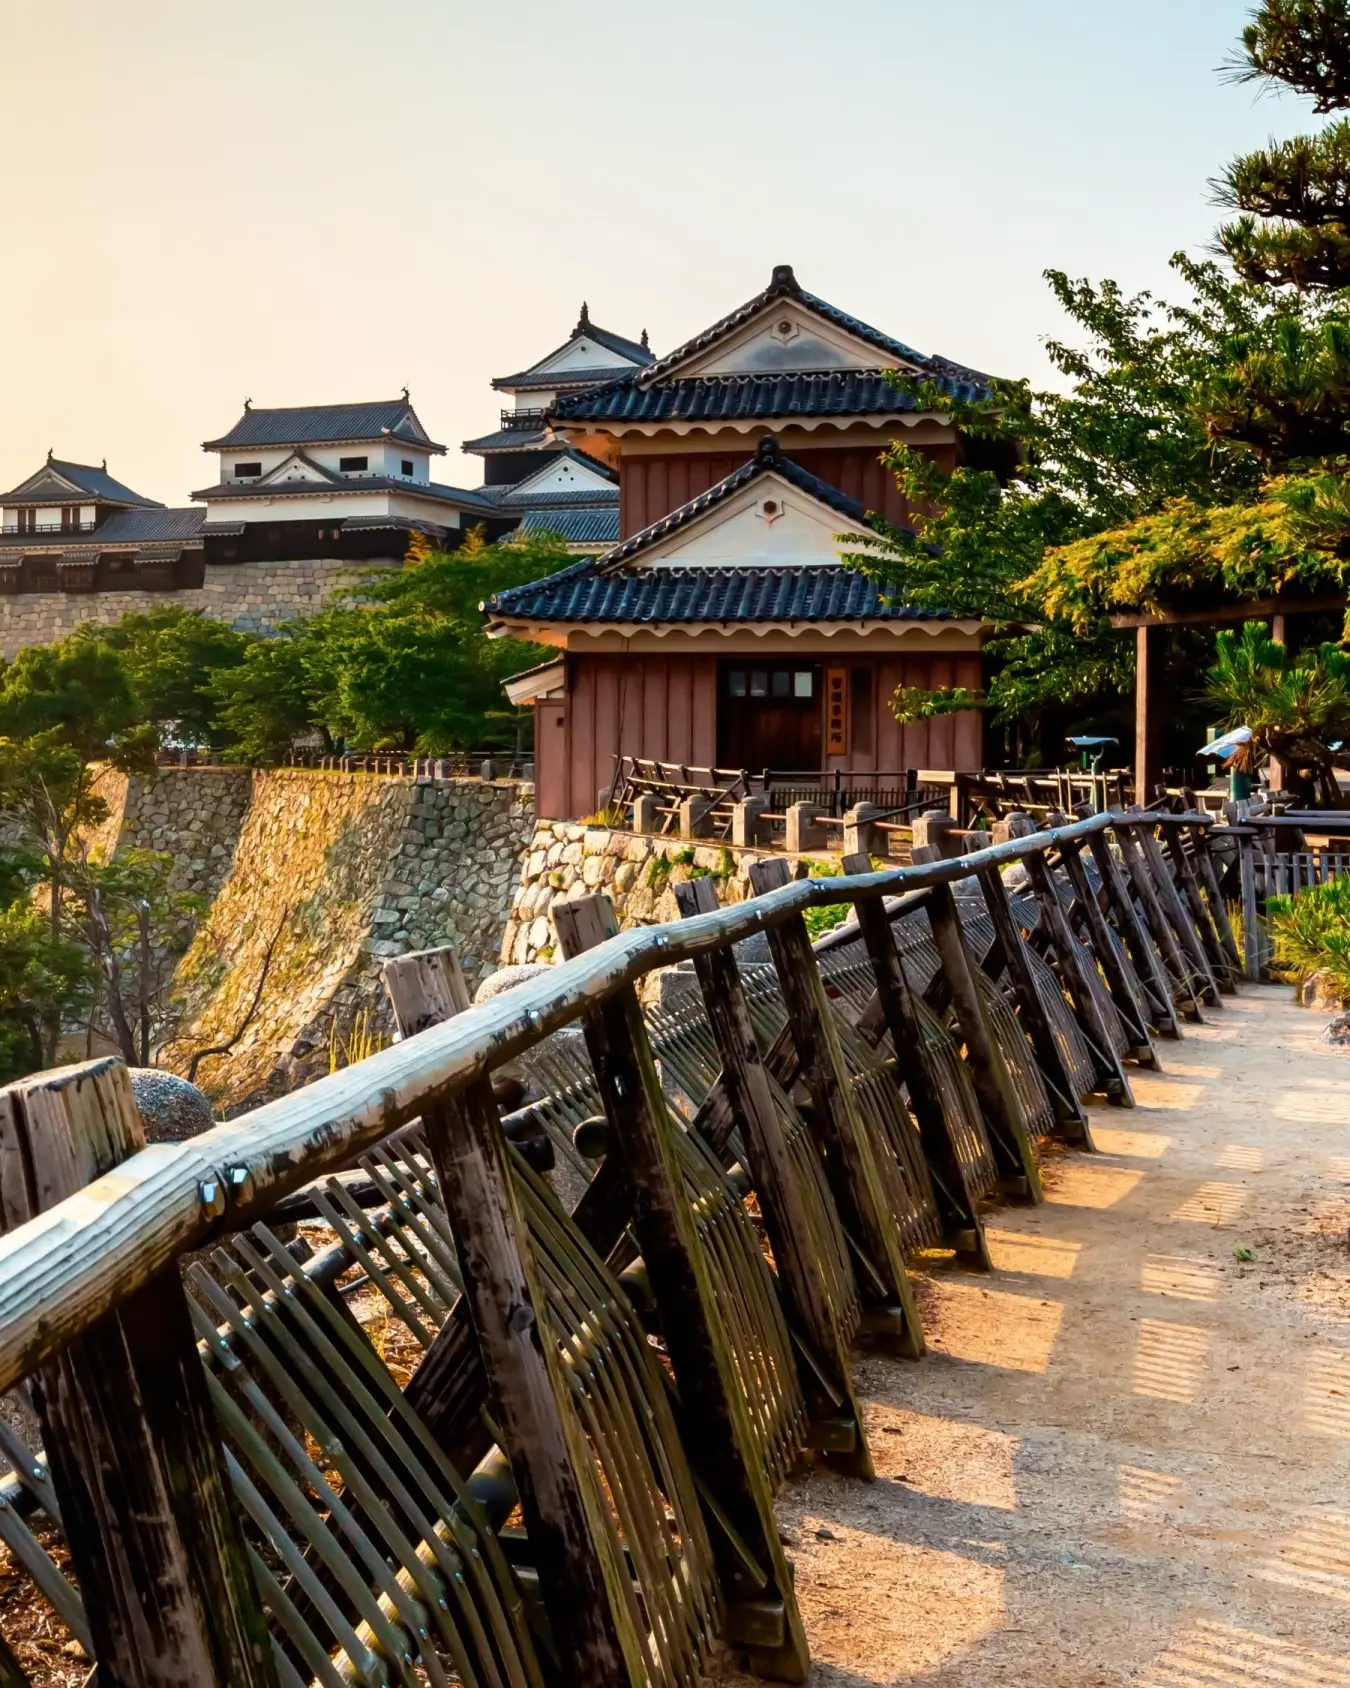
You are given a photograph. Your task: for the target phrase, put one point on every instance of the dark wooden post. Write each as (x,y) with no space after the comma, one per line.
(1072,1119)
(956,1201)
(999,1102)
(1148,712)
(1251,933)
(1120,982)
(1192,903)
(1218,908)
(524,1369)
(1073,975)
(713,1412)
(858,1181)
(1148,965)
(745,1085)
(1141,878)
(1174,909)
(128,1427)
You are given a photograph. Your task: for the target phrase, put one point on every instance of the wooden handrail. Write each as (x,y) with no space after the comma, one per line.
(73,1263)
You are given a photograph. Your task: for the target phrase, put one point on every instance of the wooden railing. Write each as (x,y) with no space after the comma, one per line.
(247,1493)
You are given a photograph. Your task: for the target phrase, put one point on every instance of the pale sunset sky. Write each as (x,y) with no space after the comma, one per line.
(320,200)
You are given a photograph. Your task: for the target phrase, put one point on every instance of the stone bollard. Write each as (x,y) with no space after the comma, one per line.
(803,829)
(860,835)
(695,817)
(1015,824)
(745,821)
(646,813)
(930,830)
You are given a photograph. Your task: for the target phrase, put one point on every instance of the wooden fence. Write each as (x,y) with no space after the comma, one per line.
(477,1432)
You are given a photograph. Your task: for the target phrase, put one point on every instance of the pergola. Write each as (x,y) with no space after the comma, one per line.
(1150,701)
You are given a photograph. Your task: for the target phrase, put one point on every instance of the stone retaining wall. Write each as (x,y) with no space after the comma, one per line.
(255,597)
(637,870)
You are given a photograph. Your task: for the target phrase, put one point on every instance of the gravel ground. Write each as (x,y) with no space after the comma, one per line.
(1124,1459)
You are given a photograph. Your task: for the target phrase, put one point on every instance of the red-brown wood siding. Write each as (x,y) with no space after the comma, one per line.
(651,487)
(665,708)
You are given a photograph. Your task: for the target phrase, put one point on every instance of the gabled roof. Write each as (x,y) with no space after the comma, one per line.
(511,439)
(588,524)
(659,393)
(527,490)
(326,424)
(768,460)
(56,480)
(630,352)
(611,589)
(470,499)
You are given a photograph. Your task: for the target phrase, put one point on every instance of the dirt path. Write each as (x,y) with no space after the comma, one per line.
(1125,1458)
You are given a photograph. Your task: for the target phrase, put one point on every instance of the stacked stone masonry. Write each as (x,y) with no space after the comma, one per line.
(255,597)
(638,871)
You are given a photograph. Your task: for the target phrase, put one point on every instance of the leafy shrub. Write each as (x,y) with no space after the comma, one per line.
(1310,933)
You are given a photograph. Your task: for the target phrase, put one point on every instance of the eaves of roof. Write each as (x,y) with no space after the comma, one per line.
(327,424)
(558,379)
(139,525)
(511,439)
(88,478)
(469,499)
(726,398)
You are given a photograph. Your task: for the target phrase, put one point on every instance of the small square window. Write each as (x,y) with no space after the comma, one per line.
(801,683)
(353,465)
(245,471)
(407,467)
(736,683)
(781,681)
(759,683)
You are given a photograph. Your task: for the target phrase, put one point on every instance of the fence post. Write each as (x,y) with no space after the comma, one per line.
(128,1427)
(999,1102)
(1218,909)
(1173,907)
(524,1370)
(713,1412)
(1148,965)
(1141,877)
(858,1182)
(1206,927)
(956,1202)
(745,1084)
(1123,987)
(1073,973)
(1251,931)
(1035,1021)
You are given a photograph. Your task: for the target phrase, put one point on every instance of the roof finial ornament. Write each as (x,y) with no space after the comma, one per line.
(784,278)
(645,342)
(50,454)
(584,320)
(105,465)
(405,392)
(248,404)
(767,450)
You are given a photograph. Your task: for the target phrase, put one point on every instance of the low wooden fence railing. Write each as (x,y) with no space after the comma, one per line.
(513,1406)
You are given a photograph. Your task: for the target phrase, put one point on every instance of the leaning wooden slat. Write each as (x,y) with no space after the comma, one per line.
(523,1368)
(1177,913)
(1121,982)
(1188,891)
(1148,964)
(133,1444)
(1146,890)
(956,1199)
(782,1198)
(713,1411)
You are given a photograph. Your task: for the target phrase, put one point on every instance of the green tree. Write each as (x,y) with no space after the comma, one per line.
(1297,706)
(172,658)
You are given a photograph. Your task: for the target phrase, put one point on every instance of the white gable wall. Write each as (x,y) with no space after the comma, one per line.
(383,458)
(563,475)
(579,355)
(744,531)
(784,336)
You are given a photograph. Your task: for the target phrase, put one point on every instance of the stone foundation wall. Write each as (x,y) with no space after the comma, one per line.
(333,873)
(638,871)
(193,815)
(256,597)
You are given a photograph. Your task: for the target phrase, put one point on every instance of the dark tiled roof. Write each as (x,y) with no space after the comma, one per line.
(94,481)
(632,351)
(767,460)
(552,380)
(588,592)
(840,392)
(145,525)
(471,499)
(326,424)
(511,439)
(598,495)
(521,489)
(783,284)
(587,525)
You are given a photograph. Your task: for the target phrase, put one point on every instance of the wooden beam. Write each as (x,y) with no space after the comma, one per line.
(128,1427)
(525,1371)
(712,1409)
(1257,609)
(787,1218)
(858,1180)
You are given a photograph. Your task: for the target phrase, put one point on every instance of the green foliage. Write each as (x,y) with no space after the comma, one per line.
(276,695)
(77,693)
(45,977)
(1297,706)
(1310,933)
(172,659)
(1304,44)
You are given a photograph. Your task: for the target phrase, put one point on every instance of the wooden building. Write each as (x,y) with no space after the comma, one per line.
(723,629)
